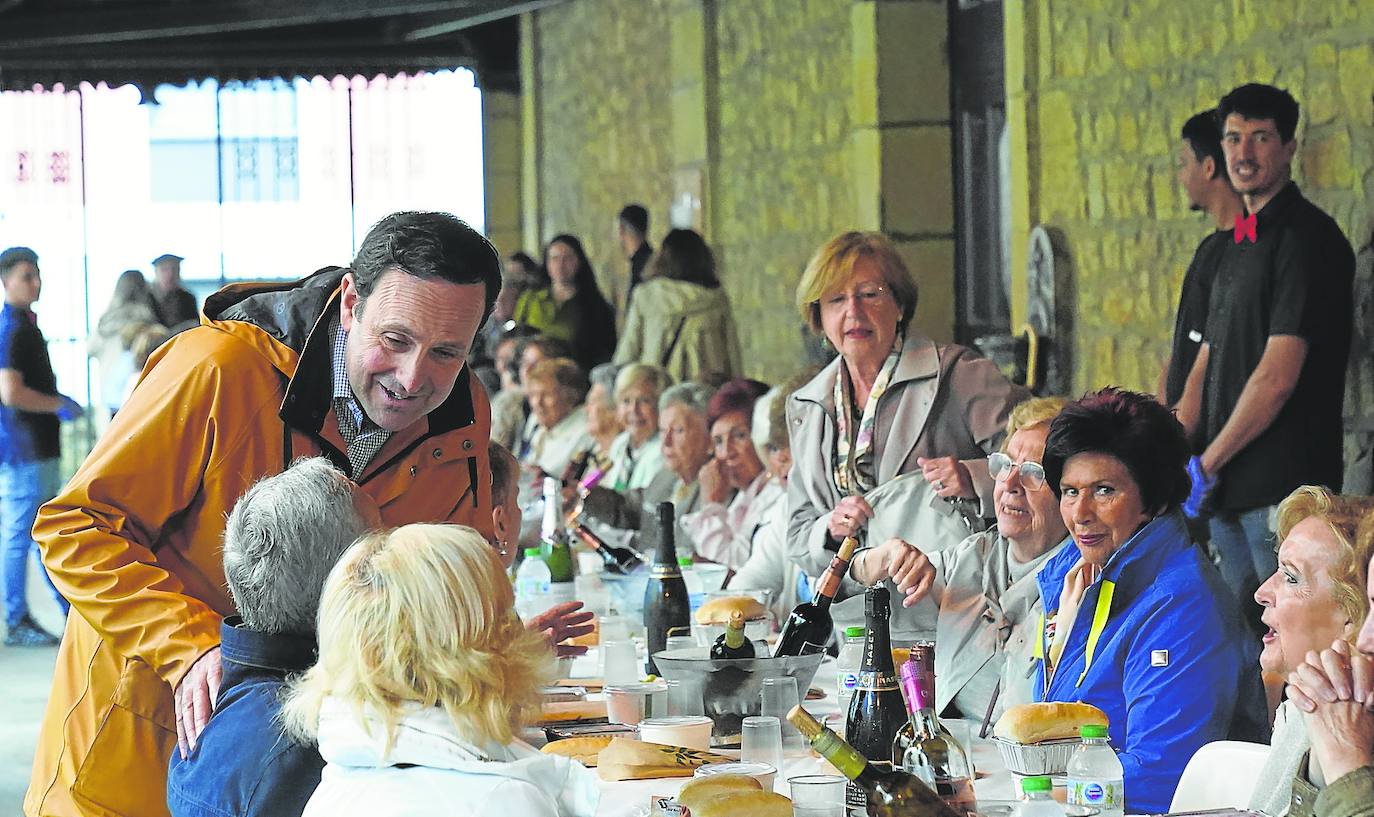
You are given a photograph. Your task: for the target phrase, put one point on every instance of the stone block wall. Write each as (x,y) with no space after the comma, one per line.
(1105,87)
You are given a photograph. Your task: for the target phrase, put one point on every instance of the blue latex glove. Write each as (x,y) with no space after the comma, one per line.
(69,410)
(1202,486)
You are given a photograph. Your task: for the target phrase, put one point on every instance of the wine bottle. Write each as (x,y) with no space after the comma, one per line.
(923,746)
(617,559)
(809,625)
(887,792)
(732,643)
(557,551)
(667,610)
(876,711)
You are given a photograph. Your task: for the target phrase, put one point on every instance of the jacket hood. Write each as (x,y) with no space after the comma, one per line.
(669,297)
(426,737)
(285,312)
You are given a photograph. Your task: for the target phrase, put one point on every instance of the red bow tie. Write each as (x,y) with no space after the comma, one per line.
(1245,228)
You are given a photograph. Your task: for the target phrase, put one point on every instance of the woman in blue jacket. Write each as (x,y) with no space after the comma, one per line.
(1138,622)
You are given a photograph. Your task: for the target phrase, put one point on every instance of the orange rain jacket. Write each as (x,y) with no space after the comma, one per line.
(133,541)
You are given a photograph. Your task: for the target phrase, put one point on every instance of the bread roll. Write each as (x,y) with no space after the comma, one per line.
(717,611)
(700,789)
(584,749)
(588,639)
(738,803)
(1033,723)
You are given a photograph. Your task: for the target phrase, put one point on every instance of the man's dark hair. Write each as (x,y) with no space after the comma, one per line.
(13,257)
(684,256)
(1256,101)
(585,278)
(636,218)
(428,246)
(1202,132)
(1135,429)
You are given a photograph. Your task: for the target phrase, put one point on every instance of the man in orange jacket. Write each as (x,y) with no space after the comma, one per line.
(365,365)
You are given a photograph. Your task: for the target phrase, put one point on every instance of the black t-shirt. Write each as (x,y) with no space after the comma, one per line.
(638,262)
(1295,279)
(1192,312)
(176,307)
(27,436)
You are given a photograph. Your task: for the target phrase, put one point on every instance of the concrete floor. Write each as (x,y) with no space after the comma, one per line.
(26,674)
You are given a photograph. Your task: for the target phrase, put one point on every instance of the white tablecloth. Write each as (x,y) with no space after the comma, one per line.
(630,797)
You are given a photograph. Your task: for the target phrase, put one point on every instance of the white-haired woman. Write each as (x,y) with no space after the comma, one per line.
(425,675)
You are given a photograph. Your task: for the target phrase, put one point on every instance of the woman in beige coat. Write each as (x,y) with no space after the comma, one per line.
(680,318)
(905,404)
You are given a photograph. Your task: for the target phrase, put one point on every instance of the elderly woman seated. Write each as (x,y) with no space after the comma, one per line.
(557,427)
(1137,621)
(604,425)
(985,588)
(686,447)
(1314,598)
(425,676)
(725,533)
(1334,689)
(636,457)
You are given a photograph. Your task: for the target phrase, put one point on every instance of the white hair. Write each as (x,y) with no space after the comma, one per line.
(692,396)
(281,540)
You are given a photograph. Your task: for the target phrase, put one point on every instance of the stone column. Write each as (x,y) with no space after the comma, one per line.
(694,112)
(531,122)
(501,168)
(901,144)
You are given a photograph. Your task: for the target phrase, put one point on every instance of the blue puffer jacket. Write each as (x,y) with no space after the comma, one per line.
(1173,666)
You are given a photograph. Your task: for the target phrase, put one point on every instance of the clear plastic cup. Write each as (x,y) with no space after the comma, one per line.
(686,696)
(817,795)
(761,741)
(619,663)
(779,697)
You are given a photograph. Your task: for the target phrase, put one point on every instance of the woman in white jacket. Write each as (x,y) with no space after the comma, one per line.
(425,674)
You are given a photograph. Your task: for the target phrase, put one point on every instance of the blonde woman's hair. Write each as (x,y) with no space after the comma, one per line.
(832,266)
(646,374)
(1342,515)
(1037,411)
(423,614)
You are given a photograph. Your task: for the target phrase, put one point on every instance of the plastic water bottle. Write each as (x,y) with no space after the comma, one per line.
(847,665)
(1095,774)
(1037,801)
(533,585)
(696,591)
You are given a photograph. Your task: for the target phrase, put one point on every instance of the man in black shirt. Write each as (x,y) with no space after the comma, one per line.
(632,226)
(175,306)
(1277,340)
(30,443)
(1202,175)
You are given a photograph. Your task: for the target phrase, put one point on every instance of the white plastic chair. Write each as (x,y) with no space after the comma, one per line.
(1222,774)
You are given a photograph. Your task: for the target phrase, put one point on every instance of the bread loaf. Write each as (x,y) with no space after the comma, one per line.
(584,749)
(700,789)
(1033,723)
(739,803)
(717,611)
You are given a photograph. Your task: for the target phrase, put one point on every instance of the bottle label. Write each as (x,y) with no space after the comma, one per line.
(1106,795)
(847,681)
(877,681)
(854,795)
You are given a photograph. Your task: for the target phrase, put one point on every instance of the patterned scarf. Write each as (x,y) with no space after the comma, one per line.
(854,466)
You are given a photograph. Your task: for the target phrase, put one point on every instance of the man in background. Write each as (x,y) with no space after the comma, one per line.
(174,304)
(632,226)
(30,440)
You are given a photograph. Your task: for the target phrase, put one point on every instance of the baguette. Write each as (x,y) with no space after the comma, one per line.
(1033,723)
(717,611)
(752,803)
(584,749)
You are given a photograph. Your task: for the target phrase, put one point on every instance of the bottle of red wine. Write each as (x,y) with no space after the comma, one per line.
(732,643)
(667,610)
(809,626)
(876,711)
(887,792)
(616,559)
(924,747)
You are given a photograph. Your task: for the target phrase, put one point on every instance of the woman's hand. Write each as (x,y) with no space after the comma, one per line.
(560,623)
(1333,689)
(714,488)
(900,561)
(948,476)
(849,517)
